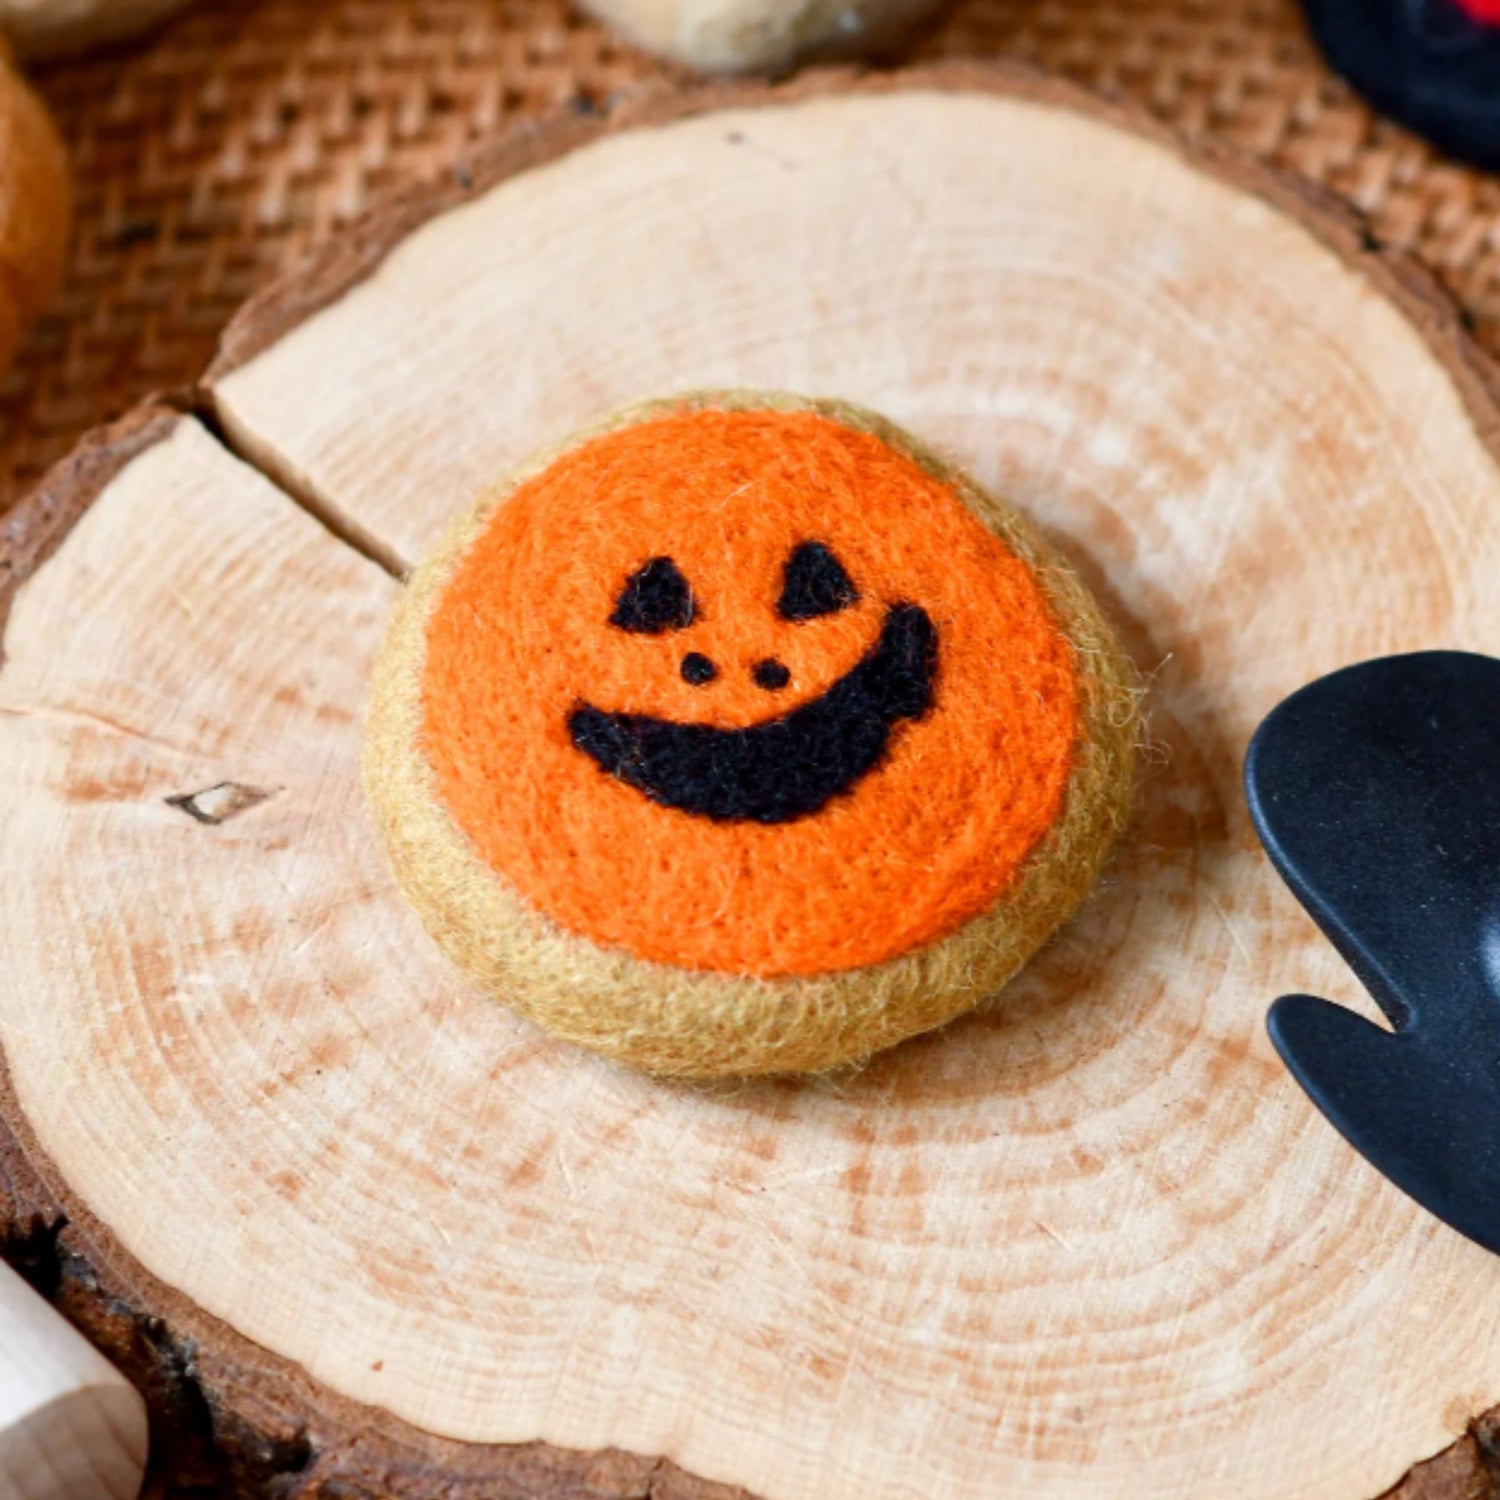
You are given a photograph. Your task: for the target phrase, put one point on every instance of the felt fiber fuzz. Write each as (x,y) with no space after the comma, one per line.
(742,735)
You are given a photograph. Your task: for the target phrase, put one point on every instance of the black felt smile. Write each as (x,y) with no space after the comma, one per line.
(783,768)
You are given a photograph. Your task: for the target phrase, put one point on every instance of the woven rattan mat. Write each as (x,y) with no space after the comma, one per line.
(210,156)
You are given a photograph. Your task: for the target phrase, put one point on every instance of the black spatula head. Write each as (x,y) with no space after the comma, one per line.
(1376,792)
(1429,63)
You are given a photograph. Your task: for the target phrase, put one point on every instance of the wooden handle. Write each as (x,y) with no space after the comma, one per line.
(71,1426)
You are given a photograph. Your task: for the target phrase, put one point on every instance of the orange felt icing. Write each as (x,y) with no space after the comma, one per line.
(521,636)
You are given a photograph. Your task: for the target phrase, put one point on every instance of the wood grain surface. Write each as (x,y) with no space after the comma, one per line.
(1090,1243)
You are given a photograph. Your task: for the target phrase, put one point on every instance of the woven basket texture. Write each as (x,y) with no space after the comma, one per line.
(211,155)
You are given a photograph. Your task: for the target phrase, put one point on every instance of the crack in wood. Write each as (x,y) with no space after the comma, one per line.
(219,803)
(202,404)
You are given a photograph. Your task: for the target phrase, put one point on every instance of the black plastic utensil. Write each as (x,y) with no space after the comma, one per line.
(1428,63)
(1376,792)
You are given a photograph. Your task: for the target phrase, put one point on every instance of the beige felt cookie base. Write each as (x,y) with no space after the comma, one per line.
(703,1025)
(743,36)
(1168,1277)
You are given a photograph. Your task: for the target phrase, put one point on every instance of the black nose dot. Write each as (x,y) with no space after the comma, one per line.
(698,669)
(771,675)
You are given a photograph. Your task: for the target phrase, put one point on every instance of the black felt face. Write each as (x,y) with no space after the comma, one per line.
(785,767)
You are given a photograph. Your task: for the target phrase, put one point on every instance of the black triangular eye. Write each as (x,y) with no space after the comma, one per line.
(656,598)
(814,584)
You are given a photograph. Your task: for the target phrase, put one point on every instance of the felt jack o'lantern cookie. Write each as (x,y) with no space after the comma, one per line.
(744,736)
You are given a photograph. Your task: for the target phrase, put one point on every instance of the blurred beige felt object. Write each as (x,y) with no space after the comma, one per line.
(55,28)
(71,1426)
(35,206)
(740,36)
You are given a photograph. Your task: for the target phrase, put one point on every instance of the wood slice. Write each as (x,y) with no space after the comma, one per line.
(381,1237)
